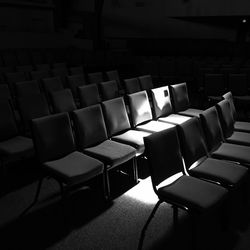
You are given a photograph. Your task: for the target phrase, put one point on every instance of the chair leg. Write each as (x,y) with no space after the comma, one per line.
(135,170)
(106,183)
(36,197)
(146,225)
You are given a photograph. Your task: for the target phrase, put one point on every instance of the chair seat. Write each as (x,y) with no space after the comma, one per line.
(174,119)
(233,152)
(191,112)
(193,193)
(242,126)
(240,138)
(111,152)
(75,168)
(227,173)
(133,138)
(154,126)
(16,146)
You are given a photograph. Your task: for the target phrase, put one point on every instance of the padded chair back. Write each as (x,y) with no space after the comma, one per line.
(63,101)
(237,83)
(226,117)
(53,137)
(75,81)
(116,116)
(114,75)
(62,73)
(60,65)
(229,97)
(31,107)
(89,95)
(214,84)
(5,92)
(146,82)
(8,128)
(24,68)
(39,75)
(212,128)
(27,88)
(52,84)
(108,90)
(14,77)
(77,70)
(179,95)
(96,77)
(139,108)
(132,85)
(162,150)
(43,67)
(192,141)
(161,101)
(89,126)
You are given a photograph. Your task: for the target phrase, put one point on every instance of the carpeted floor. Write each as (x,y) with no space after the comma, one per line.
(85,221)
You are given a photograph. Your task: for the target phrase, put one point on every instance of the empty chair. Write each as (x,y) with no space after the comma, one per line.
(23,57)
(198,164)
(52,84)
(59,65)
(5,92)
(43,67)
(118,125)
(58,156)
(108,90)
(63,101)
(37,57)
(93,140)
(88,95)
(26,69)
(227,125)
(31,107)
(216,145)
(96,77)
(76,70)
(141,114)
(162,107)
(238,125)
(13,145)
(27,88)
(62,73)
(146,82)
(39,75)
(114,75)
(76,81)
(191,194)
(180,100)
(132,85)
(14,77)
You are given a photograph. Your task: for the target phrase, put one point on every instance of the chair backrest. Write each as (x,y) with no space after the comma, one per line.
(5,92)
(39,75)
(229,97)
(53,137)
(62,73)
(192,141)
(63,101)
(14,77)
(108,90)
(114,75)
(214,84)
(179,95)
(59,65)
(27,88)
(146,82)
(8,127)
(43,67)
(24,68)
(89,126)
(140,109)
(212,128)
(77,70)
(116,117)
(163,152)
(237,83)
(75,81)
(89,95)
(161,101)
(31,107)
(226,117)
(132,85)
(96,77)
(52,84)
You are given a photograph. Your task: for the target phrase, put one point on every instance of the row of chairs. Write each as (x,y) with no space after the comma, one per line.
(208,158)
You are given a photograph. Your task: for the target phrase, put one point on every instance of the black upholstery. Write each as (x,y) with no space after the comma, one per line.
(132,85)
(108,90)
(146,82)
(27,88)
(89,95)
(95,78)
(76,70)
(75,81)
(114,75)
(52,84)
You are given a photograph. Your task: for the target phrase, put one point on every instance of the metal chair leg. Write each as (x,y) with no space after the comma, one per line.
(36,197)
(135,170)
(146,224)
(107,185)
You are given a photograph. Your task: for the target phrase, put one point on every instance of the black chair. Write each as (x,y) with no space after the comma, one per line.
(118,125)
(141,114)
(58,156)
(27,88)
(62,73)
(63,101)
(146,82)
(14,77)
(162,107)
(238,125)
(108,90)
(114,75)
(75,81)
(95,78)
(191,194)
(25,68)
(132,85)
(38,75)
(200,165)
(76,70)
(180,100)
(215,141)
(93,140)
(88,95)
(42,67)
